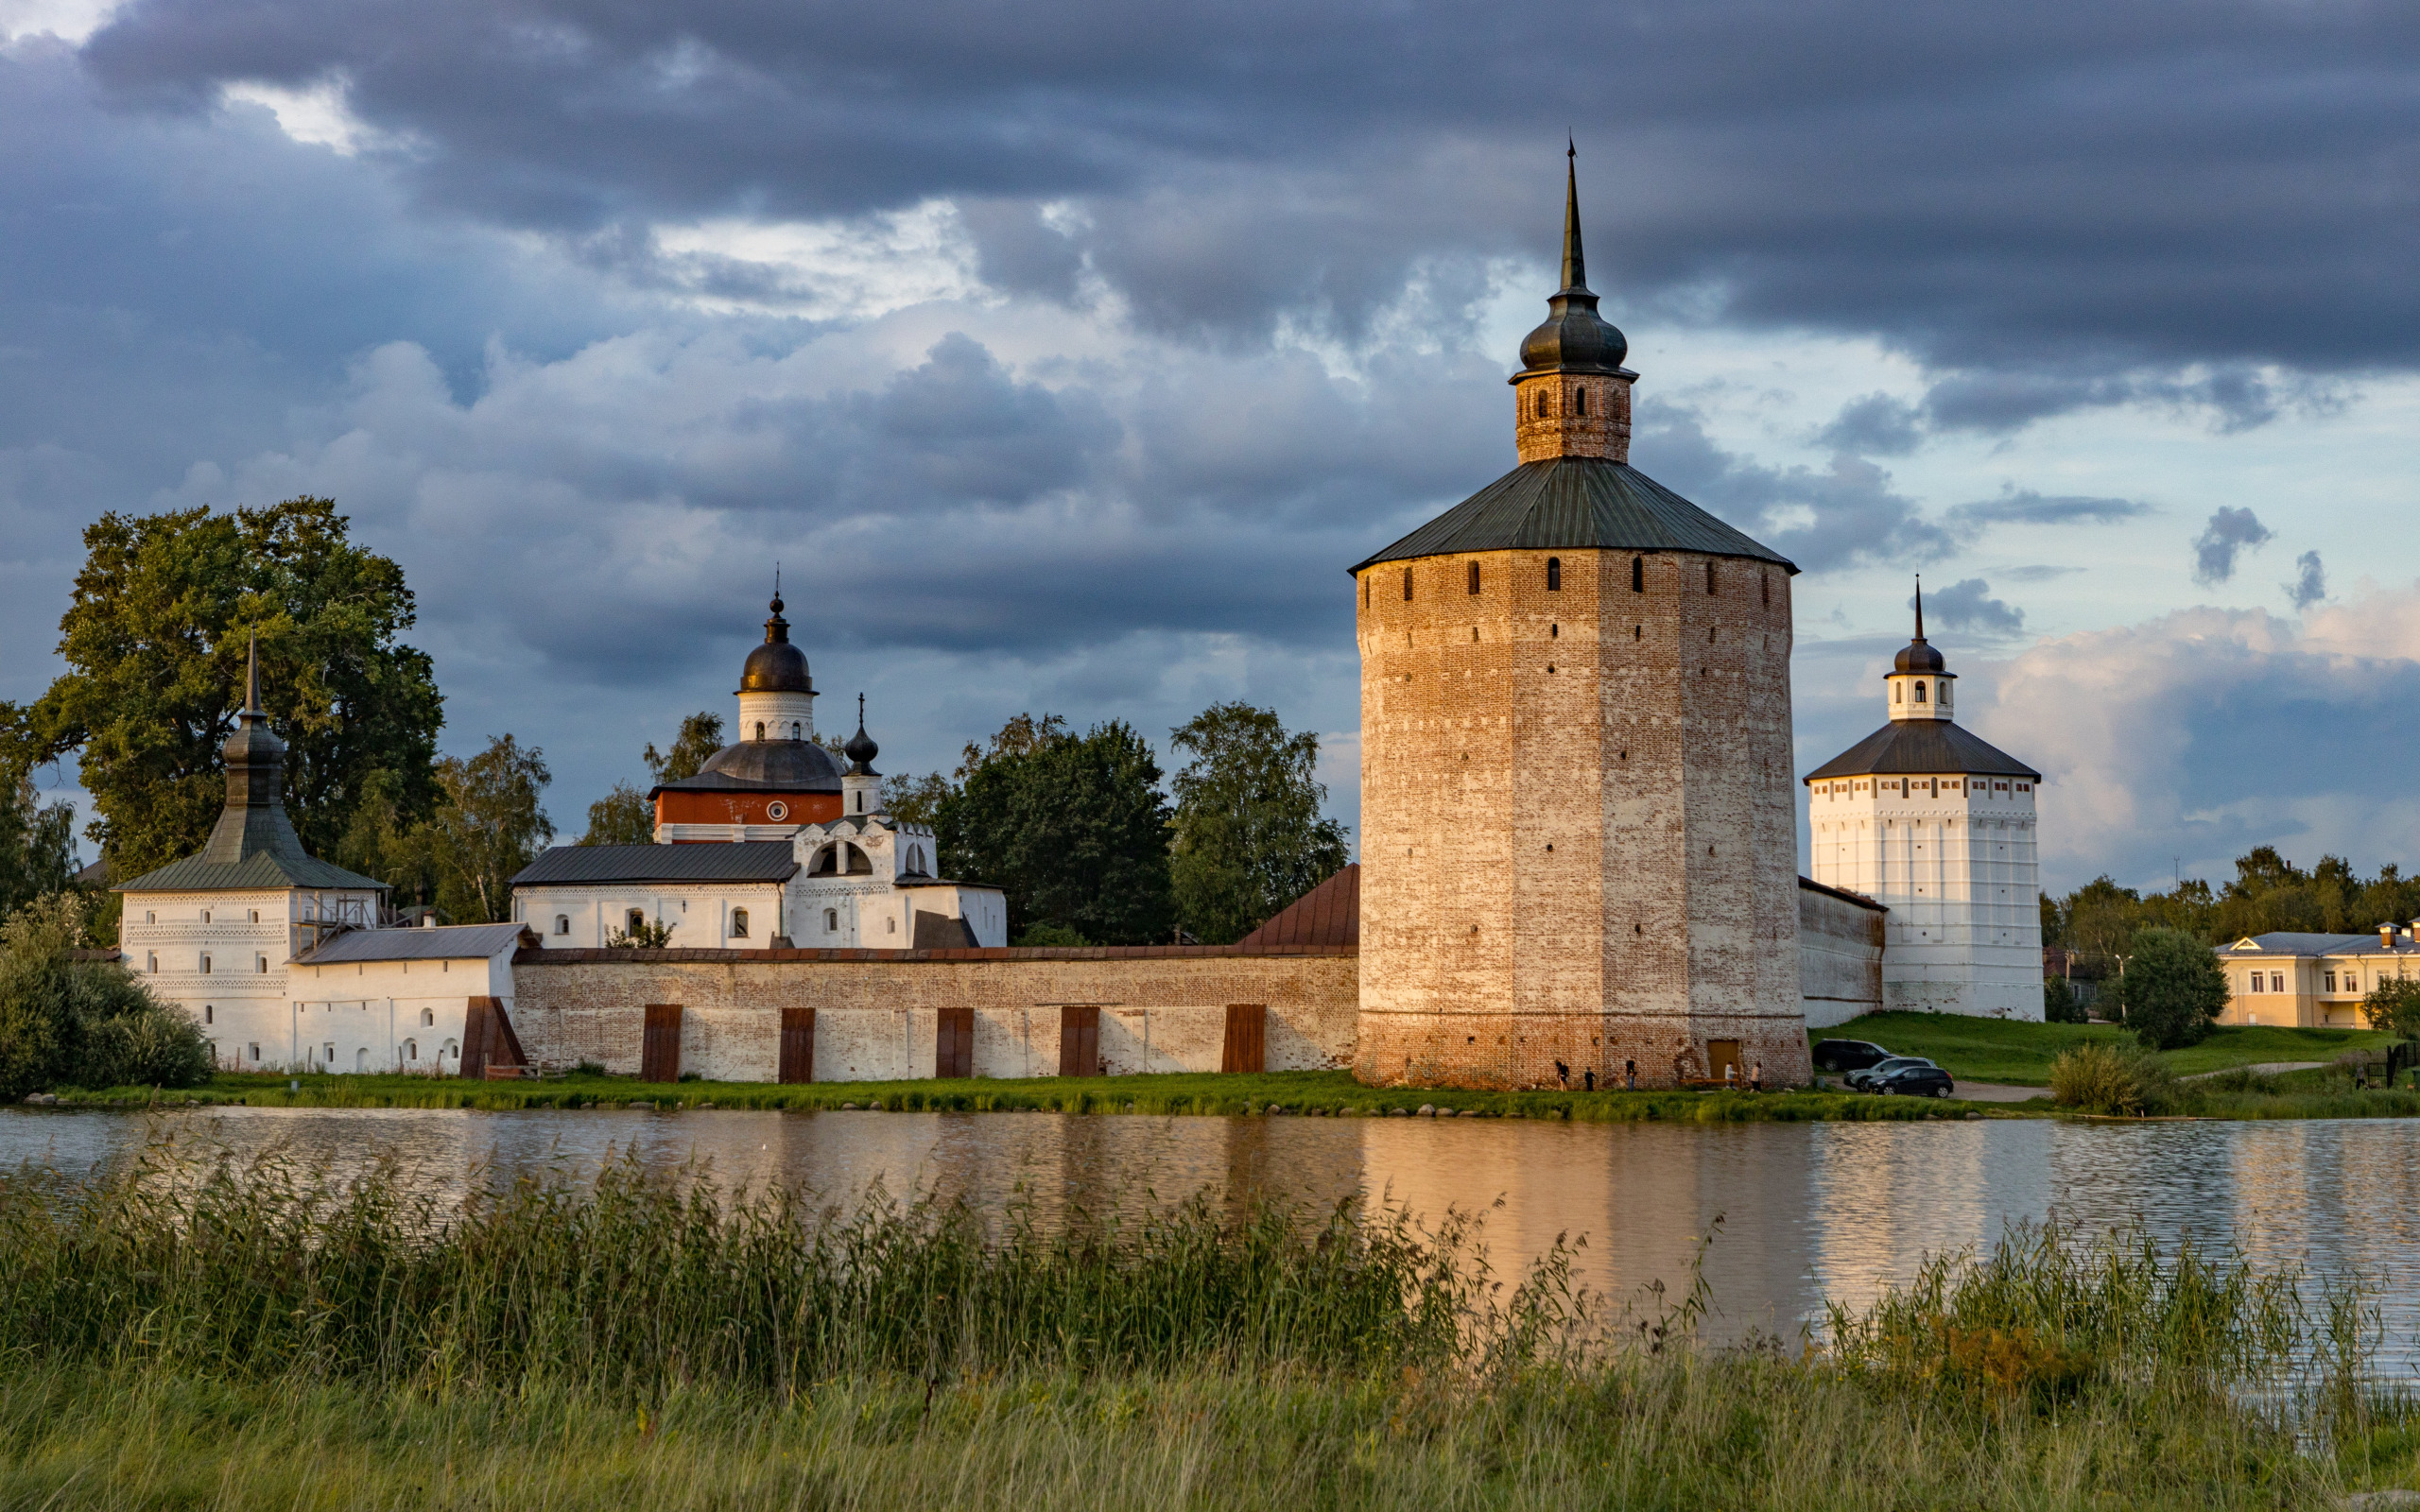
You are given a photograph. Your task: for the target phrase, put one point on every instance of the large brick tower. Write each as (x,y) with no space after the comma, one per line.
(1579,839)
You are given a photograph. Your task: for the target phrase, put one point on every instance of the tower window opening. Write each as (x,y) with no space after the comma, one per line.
(1895,691)
(1765,589)
(1638,575)
(858,865)
(740,923)
(1554,575)
(209,1014)
(794,729)
(825,864)
(1580,402)
(1474,578)
(760,729)
(1407,585)
(1541,403)
(427,1018)
(562,923)
(831,920)
(1709,578)
(1365,593)
(1920,693)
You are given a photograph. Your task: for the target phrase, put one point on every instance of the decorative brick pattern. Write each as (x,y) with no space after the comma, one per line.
(1578,821)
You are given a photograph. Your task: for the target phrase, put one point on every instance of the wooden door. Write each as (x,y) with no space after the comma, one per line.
(660,1050)
(1079,1040)
(476,1035)
(798,1045)
(1721,1053)
(1245,1049)
(954,1043)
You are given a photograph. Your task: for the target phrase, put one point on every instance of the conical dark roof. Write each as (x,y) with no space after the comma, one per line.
(253,845)
(1928,748)
(1576,503)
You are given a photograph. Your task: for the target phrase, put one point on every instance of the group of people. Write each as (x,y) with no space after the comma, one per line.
(1630,1076)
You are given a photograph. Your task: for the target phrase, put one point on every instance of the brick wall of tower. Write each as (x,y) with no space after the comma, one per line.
(1602,723)
(1550,420)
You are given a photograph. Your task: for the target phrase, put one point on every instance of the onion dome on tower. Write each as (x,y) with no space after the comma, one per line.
(1922,737)
(775,776)
(861,785)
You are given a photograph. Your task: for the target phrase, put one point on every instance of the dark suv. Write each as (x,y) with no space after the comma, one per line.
(1870,1077)
(1847,1055)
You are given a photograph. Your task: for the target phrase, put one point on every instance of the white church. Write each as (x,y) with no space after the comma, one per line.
(1937,825)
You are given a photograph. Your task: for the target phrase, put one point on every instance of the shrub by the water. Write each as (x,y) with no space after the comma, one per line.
(2096,1077)
(2172,989)
(87,1023)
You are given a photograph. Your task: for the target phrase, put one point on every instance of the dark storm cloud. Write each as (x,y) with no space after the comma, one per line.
(1968,606)
(2231,530)
(2310,582)
(2025,506)
(2051,207)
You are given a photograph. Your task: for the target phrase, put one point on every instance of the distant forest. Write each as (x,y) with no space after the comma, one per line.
(2098,921)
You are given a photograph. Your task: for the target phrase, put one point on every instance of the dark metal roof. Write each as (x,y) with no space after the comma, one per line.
(735,861)
(1810,884)
(2290,942)
(1928,747)
(453,942)
(776,666)
(939,932)
(762,766)
(1575,504)
(260,869)
(1329,914)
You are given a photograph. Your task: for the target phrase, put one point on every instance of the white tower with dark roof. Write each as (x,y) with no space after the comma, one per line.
(1939,826)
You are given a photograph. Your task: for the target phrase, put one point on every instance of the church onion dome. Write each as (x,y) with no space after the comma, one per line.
(775,766)
(1919,655)
(861,749)
(776,666)
(1576,503)
(1574,339)
(1923,747)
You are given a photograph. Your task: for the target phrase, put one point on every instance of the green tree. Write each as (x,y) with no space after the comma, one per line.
(1073,828)
(154,639)
(2059,1005)
(646,935)
(1248,839)
(489,824)
(700,736)
(917,800)
(624,815)
(82,1022)
(2394,1005)
(37,844)
(2173,989)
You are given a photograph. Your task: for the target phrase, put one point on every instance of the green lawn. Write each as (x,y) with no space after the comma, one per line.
(1313,1093)
(2003,1050)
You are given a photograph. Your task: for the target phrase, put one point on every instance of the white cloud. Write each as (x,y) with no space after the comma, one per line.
(70,21)
(855,269)
(320,116)
(2187,739)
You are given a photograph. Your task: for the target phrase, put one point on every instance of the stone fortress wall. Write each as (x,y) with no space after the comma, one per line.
(879,1013)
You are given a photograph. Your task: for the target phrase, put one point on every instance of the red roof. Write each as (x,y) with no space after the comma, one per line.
(1329,914)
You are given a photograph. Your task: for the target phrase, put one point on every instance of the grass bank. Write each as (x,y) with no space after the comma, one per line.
(2007,1051)
(1315,1093)
(214,1337)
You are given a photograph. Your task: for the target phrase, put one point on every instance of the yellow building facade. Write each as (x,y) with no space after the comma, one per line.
(2313,981)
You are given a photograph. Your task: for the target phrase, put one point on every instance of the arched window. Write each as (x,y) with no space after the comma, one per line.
(209,1014)
(1638,575)
(861,801)
(1554,575)
(256,1052)
(1474,578)
(1541,403)
(1765,589)
(831,920)
(795,730)
(1920,693)
(760,729)
(562,923)
(411,1049)
(1580,402)
(916,860)
(1709,578)
(740,923)
(205,965)
(427,1018)
(1895,691)
(1407,585)
(859,865)
(826,862)
(634,922)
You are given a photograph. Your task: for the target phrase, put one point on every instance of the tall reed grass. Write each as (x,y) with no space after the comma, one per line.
(224,1336)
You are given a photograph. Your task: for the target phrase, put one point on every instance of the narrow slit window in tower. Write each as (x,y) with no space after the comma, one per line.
(1920,693)
(760,729)
(1638,575)
(1709,578)
(1554,575)
(1407,585)
(1765,589)
(1580,402)
(1474,578)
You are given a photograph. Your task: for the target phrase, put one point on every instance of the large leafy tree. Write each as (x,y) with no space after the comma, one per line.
(37,844)
(1248,838)
(2173,988)
(155,637)
(489,824)
(83,1021)
(1073,828)
(623,815)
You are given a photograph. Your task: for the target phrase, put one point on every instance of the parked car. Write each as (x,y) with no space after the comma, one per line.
(1864,1078)
(1915,1081)
(1848,1054)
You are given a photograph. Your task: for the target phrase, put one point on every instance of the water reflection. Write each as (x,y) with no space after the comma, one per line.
(1808,1211)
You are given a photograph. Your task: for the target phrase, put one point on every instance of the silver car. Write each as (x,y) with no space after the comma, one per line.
(1863,1080)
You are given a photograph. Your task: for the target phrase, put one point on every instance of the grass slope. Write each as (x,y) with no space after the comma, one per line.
(2004,1050)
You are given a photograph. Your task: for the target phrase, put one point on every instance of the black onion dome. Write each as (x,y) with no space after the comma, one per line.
(776,666)
(1919,656)
(1575,338)
(786,766)
(861,749)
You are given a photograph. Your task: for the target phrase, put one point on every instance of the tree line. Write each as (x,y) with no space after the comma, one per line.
(1091,842)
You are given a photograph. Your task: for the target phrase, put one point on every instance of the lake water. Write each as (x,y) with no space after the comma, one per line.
(1809,1211)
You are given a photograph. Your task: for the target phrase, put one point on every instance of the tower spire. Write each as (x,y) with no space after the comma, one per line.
(1920,606)
(1575,266)
(252,675)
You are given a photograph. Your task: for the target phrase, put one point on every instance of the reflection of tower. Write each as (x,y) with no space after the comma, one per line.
(1578,841)
(1938,825)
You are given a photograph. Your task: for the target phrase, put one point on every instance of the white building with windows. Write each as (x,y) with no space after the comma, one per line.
(217,931)
(1939,826)
(395,1000)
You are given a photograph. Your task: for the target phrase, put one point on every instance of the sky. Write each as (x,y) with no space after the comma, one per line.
(1066,355)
